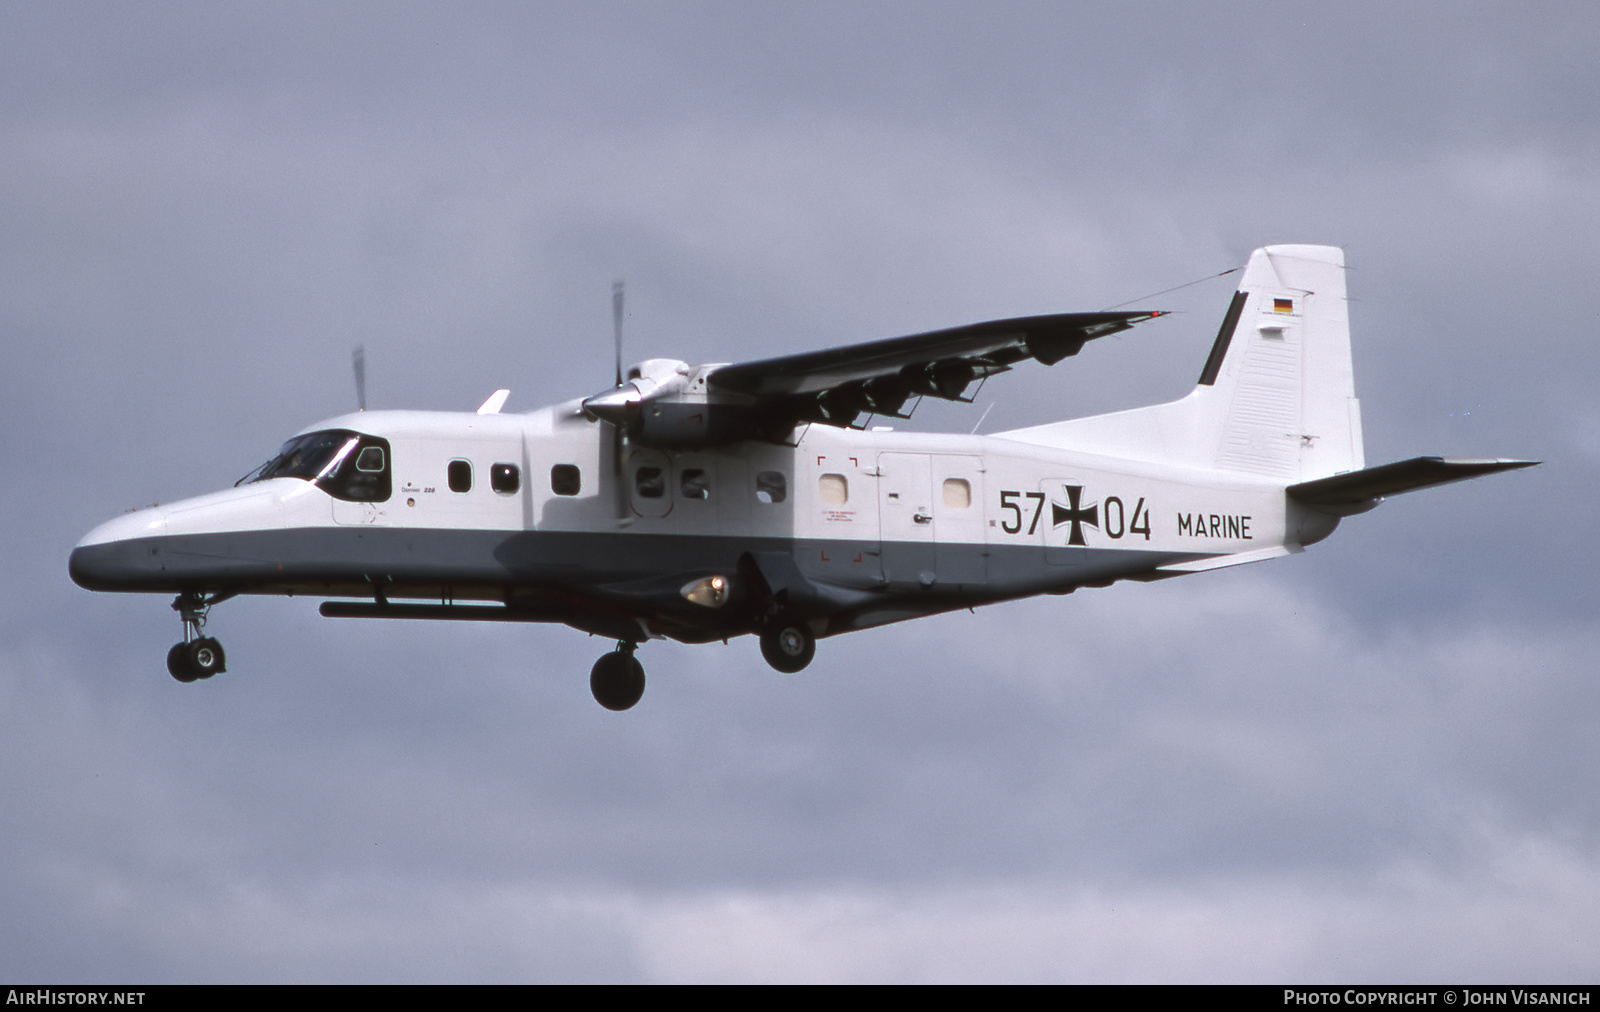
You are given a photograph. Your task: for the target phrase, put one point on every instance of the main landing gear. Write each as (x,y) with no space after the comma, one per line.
(617,678)
(197,656)
(788,644)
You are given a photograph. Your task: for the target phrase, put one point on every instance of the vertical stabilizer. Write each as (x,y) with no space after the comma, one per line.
(1276,397)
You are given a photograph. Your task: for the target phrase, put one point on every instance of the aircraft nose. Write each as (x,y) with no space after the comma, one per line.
(113,556)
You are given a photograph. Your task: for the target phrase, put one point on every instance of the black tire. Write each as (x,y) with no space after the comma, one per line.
(788,646)
(617,680)
(206,657)
(178,663)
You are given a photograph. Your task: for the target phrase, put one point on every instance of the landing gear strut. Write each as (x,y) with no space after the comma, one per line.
(788,644)
(617,679)
(197,656)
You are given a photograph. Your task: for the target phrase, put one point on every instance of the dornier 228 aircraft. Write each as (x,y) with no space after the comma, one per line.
(705,502)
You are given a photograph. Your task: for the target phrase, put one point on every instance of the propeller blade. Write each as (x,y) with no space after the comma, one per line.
(619,455)
(616,324)
(358,360)
(619,432)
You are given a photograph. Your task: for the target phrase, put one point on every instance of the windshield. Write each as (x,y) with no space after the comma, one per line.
(330,458)
(304,456)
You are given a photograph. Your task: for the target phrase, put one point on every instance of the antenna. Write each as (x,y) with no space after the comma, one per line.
(981,417)
(358,361)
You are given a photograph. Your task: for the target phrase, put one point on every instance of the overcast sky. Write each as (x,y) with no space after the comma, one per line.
(1376,761)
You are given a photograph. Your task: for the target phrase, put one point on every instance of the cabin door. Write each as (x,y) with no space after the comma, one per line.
(905,519)
(930,518)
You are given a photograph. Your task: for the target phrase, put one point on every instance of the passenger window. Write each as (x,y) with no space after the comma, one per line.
(505,478)
(371,459)
(566,479)
(834,489)
(957,493)
(695,484)
(459,474)
(771,487)
(650,483)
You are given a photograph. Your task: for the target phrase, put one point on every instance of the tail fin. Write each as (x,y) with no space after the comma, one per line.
(1276,397)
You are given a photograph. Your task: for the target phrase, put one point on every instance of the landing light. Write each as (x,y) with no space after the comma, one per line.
(712,592)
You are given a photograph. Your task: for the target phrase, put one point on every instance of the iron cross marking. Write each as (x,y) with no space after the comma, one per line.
(1060,514)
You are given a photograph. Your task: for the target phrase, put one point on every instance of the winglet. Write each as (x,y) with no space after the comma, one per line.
(496,401)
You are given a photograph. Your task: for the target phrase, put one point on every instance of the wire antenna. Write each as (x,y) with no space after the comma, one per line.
(1174,288)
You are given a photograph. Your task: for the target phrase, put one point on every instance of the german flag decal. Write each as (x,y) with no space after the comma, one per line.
(1283,305)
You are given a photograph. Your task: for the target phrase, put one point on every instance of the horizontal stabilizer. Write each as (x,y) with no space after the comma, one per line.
(1359,491)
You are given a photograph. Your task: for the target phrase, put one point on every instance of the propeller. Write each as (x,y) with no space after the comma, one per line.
(622,406)
(358,361)
(619,432)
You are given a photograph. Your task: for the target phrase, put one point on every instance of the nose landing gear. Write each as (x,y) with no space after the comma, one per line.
(196,656)
(617,678)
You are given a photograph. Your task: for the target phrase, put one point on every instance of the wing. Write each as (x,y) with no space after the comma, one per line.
(836,384)
(670,404)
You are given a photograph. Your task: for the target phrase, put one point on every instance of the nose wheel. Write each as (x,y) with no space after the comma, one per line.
(617,678)
(197,656)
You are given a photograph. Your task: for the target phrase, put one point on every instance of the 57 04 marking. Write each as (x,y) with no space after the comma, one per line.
(1119,520)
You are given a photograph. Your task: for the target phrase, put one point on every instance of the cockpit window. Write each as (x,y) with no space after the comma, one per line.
(347,465)
(304,456)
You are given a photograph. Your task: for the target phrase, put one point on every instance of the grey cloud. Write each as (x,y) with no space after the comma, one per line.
(1371,761)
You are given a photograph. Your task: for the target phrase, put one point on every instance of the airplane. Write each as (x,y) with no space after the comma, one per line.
(704,502)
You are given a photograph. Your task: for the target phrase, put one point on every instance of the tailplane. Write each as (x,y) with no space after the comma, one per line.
(1359,491)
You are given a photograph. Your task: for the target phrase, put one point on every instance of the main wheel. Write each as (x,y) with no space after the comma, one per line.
(206,657)
(788,646)
(178,663)
(617,680)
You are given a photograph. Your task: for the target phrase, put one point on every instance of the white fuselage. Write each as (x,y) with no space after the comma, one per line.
(862,526)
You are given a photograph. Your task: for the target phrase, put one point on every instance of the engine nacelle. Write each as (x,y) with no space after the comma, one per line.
(676,424)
